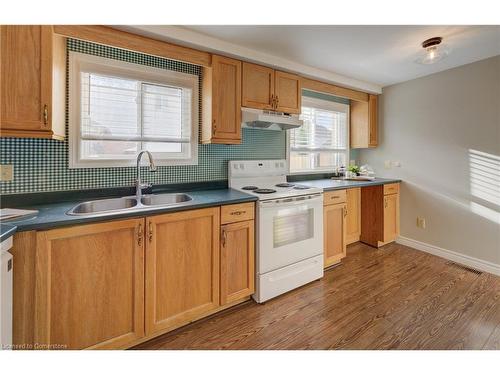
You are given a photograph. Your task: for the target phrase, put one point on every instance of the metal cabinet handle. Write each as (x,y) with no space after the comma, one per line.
(214,126)
(139,235)
(277,102)
(224,237)
(45,114)
(237,213)
(385,202)
(150,231)
(345,211)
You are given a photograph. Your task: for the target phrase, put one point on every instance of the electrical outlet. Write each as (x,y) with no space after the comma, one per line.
(420,222)
(6,172)
(387,164)
(396,164)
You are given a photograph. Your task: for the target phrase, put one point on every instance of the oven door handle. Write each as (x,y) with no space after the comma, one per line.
(295,201)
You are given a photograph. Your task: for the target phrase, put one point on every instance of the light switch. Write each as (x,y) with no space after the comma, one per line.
(6,172)
(387,164)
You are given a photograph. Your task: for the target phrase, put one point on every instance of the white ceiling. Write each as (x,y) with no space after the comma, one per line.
(362,57)
(379,54)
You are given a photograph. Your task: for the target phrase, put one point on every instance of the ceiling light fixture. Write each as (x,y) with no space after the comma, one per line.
(433,51)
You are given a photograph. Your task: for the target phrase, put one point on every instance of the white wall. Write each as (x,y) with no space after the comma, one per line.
(445,131)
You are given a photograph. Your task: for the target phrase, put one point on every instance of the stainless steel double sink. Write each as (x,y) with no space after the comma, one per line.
(128,204)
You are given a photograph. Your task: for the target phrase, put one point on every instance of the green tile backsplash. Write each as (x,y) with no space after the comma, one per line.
(42,165)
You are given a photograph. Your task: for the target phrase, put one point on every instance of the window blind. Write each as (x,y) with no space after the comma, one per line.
(120,109)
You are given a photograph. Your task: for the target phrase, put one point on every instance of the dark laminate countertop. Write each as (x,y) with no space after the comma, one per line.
(52,215)
(6,231)
(331,184)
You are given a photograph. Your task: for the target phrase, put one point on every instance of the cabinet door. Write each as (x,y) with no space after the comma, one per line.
(237,271)
(288,92)
(257,86)
(334,227)
(26,76)
(391,217)
(353,219)
(373,120)
(226,105)
(182,267)
(90,285)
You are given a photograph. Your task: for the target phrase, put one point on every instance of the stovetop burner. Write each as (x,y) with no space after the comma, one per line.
(249,187)
(285,184)
(264,191)
(302,187)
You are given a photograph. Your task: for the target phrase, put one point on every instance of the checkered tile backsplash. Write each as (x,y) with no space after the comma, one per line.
(42,165)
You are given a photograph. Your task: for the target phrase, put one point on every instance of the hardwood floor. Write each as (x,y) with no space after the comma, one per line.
(394,297)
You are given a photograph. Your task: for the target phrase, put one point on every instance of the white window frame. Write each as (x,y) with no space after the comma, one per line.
(329,106)
(80,62)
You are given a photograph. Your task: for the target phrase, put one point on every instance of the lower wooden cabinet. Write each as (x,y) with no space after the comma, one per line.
(379,214)
(353,218)
(90,286)
(114,284)
(391,217)
(334,229)
(182,267)
(237,265)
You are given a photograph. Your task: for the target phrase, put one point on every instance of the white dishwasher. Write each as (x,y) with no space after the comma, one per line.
(6,294)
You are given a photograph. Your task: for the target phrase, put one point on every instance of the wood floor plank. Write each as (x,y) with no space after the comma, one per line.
(394,297)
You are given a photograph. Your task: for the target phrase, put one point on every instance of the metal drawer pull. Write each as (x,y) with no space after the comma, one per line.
(45,114)
(139,235)
(224,237)
(150,231)
(238,212)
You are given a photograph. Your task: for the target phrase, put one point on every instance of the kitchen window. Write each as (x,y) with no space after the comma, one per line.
(322,143)
(117,109)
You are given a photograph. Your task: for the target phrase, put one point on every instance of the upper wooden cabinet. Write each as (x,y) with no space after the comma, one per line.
(90,285)
(182,267)
(364,124)
(33,82)
(221,101)
(266,88)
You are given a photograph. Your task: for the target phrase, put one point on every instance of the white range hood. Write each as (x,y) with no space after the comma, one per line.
(268,120)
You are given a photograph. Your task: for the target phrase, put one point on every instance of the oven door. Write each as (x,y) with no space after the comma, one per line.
(289,230)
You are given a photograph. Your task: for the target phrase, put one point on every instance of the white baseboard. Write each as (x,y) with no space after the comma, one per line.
(466,260)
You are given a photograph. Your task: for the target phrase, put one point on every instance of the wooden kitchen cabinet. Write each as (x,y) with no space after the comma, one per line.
(237,270)
(90,285)
(353,219)
(334,226)
(221,101)
(257,87)
(182,267)
(287,92)
(266,88)
(391,218)
(364,122)
(33,82)
(379,214)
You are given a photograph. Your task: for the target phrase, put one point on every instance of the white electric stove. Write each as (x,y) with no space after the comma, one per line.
(289,249)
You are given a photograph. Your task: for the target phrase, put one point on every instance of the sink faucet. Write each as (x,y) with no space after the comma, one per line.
(138,184)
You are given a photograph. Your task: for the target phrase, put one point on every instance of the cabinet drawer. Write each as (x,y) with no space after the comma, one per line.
(334,197)
(391,189)
(237,212)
